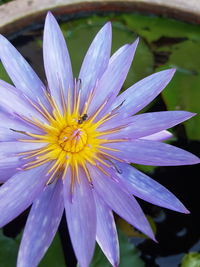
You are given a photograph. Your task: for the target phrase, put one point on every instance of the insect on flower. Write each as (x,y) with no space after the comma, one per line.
(83,118)
(68,147)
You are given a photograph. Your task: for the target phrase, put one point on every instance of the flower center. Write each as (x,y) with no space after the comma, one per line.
(73,139)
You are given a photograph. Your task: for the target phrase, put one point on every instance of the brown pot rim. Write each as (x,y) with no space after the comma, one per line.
(18,14)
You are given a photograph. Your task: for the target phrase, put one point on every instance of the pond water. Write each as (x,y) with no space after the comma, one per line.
(164,43)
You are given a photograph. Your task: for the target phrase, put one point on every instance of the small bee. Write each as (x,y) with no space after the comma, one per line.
(83,118)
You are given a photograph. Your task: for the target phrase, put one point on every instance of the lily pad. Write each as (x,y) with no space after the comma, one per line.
(183,93)
(3,74)
(76,33)
(152,27)
(191,260)
(130,231)
(128,255)
(9,250)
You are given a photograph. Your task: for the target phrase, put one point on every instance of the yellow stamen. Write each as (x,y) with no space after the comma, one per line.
(70,138)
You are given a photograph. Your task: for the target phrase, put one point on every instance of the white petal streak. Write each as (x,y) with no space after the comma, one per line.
(41,226)
(120,200)
(114,77)
(14,102)
(20,72)
(142,93)
(160,136)
(19,192)
(142,186)
(106,231)
(56,60)
(81,218)
(95,61)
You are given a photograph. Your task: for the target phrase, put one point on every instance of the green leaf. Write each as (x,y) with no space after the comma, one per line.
(130,231)
(3,74)
(87,29)
(8,251)
(54,256)
(152,28)
(183,91)
(128,255)
(191,260)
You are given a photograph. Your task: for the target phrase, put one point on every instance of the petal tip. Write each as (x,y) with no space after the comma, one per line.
(50,18)
(187,211)
(49,14)
(155,240)
(107,29)
(137,41)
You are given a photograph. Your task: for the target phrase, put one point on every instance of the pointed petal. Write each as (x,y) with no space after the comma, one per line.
(13,102)
(9,149)
(8,167)
(81,218)
(95,61)
(8,122)
(10,162)
(106,231)
(41,226)
(19,192)
(142,93)
(56,60)
(20,72)
(160,136)
(142,186)
(149,123)
(114,76)
(120,200)
(152,153)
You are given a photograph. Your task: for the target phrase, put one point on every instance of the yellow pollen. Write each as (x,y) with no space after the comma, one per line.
(71,138)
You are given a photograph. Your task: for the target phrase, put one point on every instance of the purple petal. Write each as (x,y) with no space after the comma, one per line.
(13,102)
(95,61)
(81,218)
(20,72)
(152,153)
(41,226)
(120,200)
(19,192)
(8,122)
(106,231)
(160,136)
(114,76)
(142,186)
(8,167)
(56,60)
(9,149)
(9,161)
(142,93)
(149,123)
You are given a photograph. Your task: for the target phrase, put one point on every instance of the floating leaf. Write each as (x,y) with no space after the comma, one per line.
(54,256)
(8,251)
(191,260)
(128,255)
(130,231)
(183,93)
(152,28)
(75,33)
(3,74)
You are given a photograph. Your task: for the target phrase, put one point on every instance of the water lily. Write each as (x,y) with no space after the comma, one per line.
(68,146)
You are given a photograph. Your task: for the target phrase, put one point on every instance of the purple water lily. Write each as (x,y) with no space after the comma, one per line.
(67,146)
